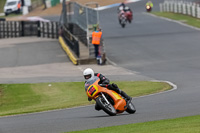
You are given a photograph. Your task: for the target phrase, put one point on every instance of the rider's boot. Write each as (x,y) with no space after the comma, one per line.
(127,98)
(97,107)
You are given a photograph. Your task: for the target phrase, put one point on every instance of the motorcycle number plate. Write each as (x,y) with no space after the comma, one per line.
(92,90)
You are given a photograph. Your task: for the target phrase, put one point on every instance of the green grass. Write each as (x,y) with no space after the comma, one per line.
(189,124)
(27,98)
(2,3)
(180,17)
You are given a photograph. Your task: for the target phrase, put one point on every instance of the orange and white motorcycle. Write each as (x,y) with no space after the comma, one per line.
(108,100)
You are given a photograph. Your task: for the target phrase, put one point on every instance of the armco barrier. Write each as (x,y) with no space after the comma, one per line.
(68,51)
(71,41)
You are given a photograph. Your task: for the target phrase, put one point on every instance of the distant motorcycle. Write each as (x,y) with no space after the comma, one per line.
(129,16)
(122,19)
(148,8)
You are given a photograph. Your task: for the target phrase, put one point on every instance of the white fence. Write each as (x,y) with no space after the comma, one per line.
(183,7)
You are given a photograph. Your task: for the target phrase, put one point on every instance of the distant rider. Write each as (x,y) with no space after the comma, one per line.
(89,73)
(149,3)
(125,9)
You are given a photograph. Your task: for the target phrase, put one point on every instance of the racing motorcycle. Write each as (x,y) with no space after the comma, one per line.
(148,8)
(108,100)
(122,19)
(129,16)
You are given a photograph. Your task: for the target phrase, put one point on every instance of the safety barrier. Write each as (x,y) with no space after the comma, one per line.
(68,51)
(183,7)
(78,32)
(79,21)
(71,41)
(9,29)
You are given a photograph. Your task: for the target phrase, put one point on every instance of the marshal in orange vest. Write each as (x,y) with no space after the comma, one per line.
(96,37)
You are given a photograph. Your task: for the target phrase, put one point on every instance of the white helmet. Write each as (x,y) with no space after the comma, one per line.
(88,73)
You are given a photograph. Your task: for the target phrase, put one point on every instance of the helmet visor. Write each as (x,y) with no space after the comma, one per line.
(87,76)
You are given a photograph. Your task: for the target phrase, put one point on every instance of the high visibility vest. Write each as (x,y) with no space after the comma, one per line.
(96,37)
(149,4)
(18,5)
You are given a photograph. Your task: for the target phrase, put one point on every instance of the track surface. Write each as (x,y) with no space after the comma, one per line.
(151,48)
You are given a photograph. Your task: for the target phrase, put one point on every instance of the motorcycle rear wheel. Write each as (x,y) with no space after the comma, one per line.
(108,108)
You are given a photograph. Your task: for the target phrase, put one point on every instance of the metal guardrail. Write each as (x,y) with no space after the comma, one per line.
(78,32)
(71,41)
(183,7)
(80,21)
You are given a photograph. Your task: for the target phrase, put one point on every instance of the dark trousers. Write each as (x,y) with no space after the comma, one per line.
(96,48)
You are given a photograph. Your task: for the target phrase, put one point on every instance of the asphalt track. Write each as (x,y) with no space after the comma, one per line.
(149,48)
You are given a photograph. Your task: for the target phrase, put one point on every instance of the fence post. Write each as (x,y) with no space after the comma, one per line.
(171,6)
(43,31)
(184,8)
(7,29)
(15,29)
(167,3)
(198,11)
(175,7)
(52,29)
(39,29)
(57,25)
(4,29)
(77,48)
(193,10)
(48,30)
(22,26)
(161,7)
(179,7)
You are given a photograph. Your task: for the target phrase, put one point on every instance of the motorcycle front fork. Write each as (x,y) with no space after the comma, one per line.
(105,98)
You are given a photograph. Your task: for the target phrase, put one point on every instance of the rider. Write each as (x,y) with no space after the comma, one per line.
(89,73)
(124,9)
(149,3)
(121,7)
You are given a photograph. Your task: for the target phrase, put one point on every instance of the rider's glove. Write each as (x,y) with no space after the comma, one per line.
(109,86)
(114,85)
(105,81)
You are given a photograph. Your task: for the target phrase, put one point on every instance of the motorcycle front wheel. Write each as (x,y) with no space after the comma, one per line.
(131,108)
(123,25)
(108,108)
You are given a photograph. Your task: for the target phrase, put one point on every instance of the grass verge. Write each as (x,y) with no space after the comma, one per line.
(180,17)
(2,3)
(27,98)
(179,125)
